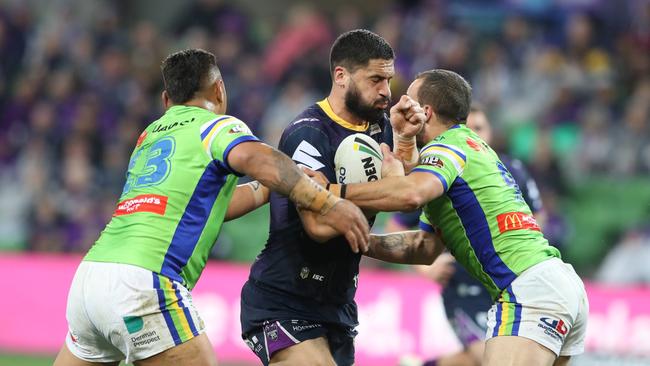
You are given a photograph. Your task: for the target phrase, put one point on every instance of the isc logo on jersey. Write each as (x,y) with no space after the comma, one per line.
(358,159)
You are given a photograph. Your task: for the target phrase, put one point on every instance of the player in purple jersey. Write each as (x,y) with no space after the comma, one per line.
(118,282)
(298,305)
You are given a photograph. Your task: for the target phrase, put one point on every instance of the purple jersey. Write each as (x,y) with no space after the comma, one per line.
(320,276)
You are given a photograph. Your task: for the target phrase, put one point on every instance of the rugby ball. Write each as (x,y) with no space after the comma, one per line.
(358,159)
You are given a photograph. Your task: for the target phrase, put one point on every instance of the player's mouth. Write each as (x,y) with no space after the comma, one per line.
(382,104)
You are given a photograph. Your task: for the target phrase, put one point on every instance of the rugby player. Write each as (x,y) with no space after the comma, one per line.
(469,197)
(465,299)
(130,297)
(297,306)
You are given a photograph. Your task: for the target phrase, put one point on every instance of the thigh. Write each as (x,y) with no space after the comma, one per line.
(574,344)
(515,351)
(84,340)
(140,312)
(276,336)
(315,352)
(542,304)
(197,351)
(67,358)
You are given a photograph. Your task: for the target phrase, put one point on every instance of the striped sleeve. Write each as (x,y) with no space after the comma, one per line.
(424,224)
(219,136)
(446,162)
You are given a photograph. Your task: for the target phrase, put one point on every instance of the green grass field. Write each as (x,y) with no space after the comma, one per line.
(22,360)
(10,359)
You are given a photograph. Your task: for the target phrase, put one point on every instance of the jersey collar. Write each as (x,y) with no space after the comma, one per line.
(327,108)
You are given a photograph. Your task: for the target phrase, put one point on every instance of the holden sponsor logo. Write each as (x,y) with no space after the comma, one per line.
(556,328)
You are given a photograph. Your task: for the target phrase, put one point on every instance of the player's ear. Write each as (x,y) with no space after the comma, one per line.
(428,113)
(341,76)
(219,92)
(165,100)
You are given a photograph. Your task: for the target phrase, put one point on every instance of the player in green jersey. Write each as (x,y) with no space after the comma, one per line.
(471,200)
(130,296)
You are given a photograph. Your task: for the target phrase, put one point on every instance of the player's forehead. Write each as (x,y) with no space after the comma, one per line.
(413,89)
(378,67)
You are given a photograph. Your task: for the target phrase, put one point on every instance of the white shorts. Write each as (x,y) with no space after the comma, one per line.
(119,311)
(546,303)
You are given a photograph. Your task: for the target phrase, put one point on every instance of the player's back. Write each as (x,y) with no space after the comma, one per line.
(291,262)
(484,219)
(176,194)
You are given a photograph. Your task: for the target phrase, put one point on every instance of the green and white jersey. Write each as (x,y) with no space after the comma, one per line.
(484,220)
(177,191)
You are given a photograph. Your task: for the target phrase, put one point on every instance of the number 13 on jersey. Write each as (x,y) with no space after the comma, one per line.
(150,165)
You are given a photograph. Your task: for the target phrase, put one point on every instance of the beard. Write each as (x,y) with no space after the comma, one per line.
(368,112)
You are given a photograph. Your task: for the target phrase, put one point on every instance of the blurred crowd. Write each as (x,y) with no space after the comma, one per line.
(566,84)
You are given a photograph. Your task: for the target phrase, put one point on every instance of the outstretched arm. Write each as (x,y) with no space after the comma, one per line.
(396,193)
(247,197)
(279,173)
(407,247)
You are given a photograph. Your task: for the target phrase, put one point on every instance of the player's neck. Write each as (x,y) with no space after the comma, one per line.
(337,103)
(205,104)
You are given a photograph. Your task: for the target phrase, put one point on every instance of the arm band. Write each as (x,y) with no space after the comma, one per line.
(308,194)
(405,148)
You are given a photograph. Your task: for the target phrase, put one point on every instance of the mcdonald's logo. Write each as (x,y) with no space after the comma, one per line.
(516,221)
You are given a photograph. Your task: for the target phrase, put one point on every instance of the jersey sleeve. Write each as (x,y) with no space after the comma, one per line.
(444,161)
(221,135)
(308,145)
(425,225)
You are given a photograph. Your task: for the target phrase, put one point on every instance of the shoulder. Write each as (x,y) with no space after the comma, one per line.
(307,125)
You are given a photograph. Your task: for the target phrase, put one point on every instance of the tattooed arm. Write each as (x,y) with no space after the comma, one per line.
(247,197)
(407,247)
(279,173)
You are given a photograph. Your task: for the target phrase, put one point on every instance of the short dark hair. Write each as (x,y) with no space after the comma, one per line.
(357,47)
(448,93)
(186,72)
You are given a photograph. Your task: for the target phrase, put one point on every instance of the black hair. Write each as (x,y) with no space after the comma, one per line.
(357,47)
(448,93)
(186,72)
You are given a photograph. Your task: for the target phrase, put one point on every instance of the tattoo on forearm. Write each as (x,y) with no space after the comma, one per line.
(289,173)
(392,245)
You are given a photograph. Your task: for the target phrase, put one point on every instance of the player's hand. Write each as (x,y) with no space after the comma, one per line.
(317,176)
(407,117)
(348,220)
(441,270)
(391,166)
